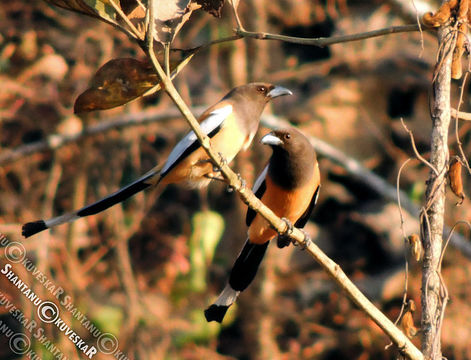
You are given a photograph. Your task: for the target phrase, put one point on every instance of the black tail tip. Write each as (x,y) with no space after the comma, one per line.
(215,313)
(32,228)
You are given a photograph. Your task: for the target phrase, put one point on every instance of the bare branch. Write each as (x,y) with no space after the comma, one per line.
(321,42)
(460,114)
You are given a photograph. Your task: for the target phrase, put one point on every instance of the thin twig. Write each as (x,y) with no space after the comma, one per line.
(404,235)
(406,262)
(417,17)
(128,22)
(461,114)
(416,152)
(234,5)
(211,43)
(448,240)
(398,191)
(167,58)
(321,42)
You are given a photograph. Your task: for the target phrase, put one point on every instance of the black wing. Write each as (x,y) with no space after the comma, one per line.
(305,217)
(259,189)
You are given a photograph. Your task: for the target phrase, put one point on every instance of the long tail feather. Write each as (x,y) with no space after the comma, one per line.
(126,192)
(246,266)
(242,274)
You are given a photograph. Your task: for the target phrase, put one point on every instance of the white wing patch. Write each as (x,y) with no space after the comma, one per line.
(214,119)
(260,179)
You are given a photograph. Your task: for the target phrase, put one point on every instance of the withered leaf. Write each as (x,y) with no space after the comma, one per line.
(213,7)
(407,321)
(116,83)
(415,246)
(456,180)
(170,15)
(120,81)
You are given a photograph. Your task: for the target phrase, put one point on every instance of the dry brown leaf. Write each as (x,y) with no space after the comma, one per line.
(456,181)
(407,321)
(120,81)
(116,83)
(415,246)
(170,15)
(456,67)
(441,17)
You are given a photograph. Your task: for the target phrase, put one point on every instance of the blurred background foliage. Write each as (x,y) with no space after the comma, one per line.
(146,270)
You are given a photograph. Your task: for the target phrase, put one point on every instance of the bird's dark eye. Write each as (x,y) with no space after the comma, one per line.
(287,136)
(262,89)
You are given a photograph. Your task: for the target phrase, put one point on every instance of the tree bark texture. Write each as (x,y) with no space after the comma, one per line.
(432,220)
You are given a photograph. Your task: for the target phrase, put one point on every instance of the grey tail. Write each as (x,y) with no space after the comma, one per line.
(126,192)
(242,274)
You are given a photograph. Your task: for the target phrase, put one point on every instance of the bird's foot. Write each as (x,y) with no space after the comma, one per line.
(222,161)
(289,227)
(307,240)
(243,183)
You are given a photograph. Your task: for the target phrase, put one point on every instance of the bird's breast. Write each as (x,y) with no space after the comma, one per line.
(287,203)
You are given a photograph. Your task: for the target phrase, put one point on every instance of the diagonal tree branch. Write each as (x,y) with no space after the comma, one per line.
(403,343)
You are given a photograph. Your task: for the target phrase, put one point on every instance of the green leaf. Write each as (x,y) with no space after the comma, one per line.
(103,9)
